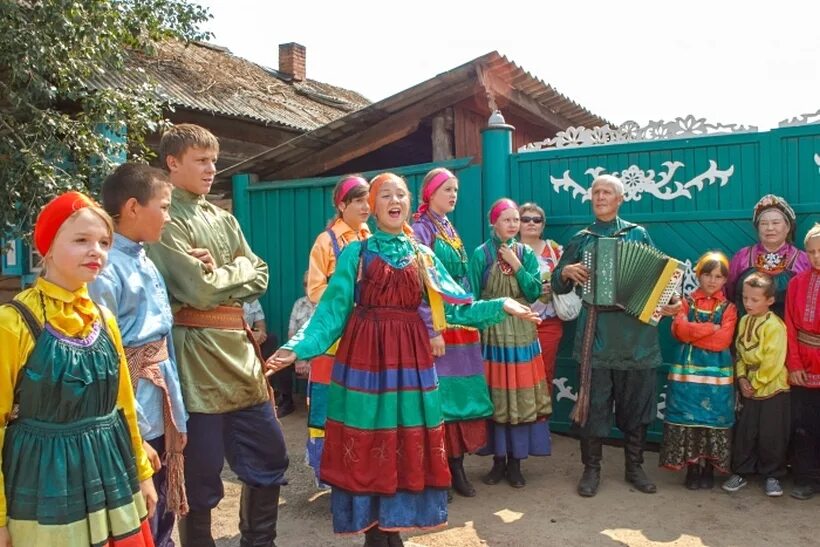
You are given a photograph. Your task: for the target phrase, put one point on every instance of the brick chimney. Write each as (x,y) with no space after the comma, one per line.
(292,61)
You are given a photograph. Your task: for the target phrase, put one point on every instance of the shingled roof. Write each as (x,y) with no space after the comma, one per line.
(208,78)
(496,73)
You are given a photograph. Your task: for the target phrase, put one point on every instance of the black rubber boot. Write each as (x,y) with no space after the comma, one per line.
(195,529)
(633,456)
(692,481)
(514,476)
(460,482)
(285,407)
(258,512)
(375,538)
(394,539)
(497,472)
(591,453)
(707,476)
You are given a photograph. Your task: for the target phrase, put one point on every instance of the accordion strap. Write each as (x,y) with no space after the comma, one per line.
(580,413)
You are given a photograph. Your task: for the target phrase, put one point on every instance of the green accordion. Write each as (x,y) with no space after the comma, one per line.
(634,277)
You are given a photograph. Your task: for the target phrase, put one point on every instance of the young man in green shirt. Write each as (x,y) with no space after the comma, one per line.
(210,272)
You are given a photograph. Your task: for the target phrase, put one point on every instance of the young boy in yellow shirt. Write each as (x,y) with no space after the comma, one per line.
(761,435)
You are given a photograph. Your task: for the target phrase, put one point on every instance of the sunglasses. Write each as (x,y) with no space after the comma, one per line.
(534,220)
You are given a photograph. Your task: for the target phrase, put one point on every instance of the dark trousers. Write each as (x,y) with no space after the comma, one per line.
(806,434)
(628,394)
(282,381)
(761,436)
(162,523)
(250,439)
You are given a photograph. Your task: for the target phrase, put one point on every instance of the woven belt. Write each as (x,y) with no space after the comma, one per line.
(225,318)
(808,338)
(221,317)
(143,362)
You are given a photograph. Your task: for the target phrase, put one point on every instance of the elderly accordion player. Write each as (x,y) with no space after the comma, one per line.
(634,277)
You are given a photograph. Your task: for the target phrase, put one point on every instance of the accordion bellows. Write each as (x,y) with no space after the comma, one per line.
(635,277)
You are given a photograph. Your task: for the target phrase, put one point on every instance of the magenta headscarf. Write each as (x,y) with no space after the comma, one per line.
(501,205)
(429,189)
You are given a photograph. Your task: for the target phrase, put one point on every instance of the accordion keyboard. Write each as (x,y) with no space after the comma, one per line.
(632,276)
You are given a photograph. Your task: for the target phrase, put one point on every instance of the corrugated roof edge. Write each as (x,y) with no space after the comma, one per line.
(341,127)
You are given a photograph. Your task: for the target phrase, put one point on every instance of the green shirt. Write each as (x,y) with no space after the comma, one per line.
(454,260)
(334,308)
(622,342)
(528,275)
(218,368)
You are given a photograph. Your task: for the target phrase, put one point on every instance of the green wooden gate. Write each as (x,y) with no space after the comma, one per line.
(692,194)
(282,219)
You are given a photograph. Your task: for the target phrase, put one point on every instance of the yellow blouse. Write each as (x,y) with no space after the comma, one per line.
(72,314)
(322,262)
(761,354)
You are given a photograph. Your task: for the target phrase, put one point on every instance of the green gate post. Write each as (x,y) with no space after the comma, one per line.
(242,201)
(496,148)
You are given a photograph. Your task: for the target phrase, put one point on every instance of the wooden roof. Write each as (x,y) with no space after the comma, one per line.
(208,78)
(358,133)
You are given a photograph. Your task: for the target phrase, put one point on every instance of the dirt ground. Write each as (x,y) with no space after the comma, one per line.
(548,511)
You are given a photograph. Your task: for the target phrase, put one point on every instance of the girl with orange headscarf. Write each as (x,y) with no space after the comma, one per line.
(700,398)
(73,463)
(385,455)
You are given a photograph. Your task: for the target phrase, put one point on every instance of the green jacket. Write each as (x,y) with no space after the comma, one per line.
(621,341)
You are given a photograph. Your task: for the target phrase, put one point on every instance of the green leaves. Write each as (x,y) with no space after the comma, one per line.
(59,130)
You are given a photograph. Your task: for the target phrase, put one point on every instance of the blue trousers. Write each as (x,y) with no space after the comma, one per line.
(250,439)
(162,523)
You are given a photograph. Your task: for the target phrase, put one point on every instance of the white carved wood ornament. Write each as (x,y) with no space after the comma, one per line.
(631,131)
(636,181)
(803,119)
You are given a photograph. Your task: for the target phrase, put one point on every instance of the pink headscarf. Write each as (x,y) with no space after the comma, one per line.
(429,189)
(347,184)
(501,206)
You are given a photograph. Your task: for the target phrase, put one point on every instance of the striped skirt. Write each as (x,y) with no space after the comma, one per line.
(73,484)
(465,399)
(384,453)
(518,387)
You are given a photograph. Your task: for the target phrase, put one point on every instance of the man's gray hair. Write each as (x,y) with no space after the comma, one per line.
(609,179)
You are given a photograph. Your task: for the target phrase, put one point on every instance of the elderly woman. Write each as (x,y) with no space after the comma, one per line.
(548,253)
(774,254)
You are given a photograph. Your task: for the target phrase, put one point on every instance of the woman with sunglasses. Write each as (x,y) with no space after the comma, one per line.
(548,253)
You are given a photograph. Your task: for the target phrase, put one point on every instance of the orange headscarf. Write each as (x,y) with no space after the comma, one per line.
(376,184)
(435,295)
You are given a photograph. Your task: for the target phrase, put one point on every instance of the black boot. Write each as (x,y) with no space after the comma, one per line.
(460,482)
(497,472)
(514,476)
(692,481)
(591,453)
(258,512)
(195,529)
(285,407)
(394,539)
(633,454)
(375,538)
(707,476)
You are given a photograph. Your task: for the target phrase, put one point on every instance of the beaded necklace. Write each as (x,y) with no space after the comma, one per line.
(453,241)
